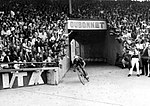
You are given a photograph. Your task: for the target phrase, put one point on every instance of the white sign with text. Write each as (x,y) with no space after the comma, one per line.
(87,25)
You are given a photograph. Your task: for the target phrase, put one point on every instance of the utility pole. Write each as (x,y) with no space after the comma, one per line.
(70,7)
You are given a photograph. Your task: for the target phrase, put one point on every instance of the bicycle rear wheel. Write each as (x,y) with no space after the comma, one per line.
(81,77)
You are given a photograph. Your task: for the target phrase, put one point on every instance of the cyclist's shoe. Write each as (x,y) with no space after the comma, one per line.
(87,78)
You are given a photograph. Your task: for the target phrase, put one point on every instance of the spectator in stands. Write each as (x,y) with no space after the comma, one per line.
(7,57)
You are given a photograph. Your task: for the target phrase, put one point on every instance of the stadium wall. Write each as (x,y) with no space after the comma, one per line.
(112,47)
(65,62)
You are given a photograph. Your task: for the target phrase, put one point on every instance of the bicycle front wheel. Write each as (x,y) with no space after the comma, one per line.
(81,77)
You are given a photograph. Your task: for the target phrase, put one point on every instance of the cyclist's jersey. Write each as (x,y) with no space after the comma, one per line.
(78,61)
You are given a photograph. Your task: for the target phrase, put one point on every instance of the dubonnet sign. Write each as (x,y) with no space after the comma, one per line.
(87,25)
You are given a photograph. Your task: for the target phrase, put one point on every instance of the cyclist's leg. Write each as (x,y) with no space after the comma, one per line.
(75,68)
(84,71)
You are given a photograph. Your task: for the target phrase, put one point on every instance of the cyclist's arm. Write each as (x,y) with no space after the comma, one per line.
(74,65)
(84,63)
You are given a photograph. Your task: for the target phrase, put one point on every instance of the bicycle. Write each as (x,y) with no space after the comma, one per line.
(81,75)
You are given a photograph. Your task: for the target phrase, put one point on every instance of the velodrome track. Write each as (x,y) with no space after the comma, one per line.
(108,86)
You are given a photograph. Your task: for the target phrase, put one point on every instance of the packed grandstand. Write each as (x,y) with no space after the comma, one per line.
(34,31)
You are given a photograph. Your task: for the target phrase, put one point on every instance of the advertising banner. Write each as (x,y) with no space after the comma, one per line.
(27,77)
(87,25)
(21,79)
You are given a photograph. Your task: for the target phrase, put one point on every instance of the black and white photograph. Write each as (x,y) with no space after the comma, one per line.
(74,52)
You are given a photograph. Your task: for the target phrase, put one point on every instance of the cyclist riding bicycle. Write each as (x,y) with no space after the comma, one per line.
(79,62)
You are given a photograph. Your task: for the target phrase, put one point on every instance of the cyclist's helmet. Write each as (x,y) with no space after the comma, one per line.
(76,56)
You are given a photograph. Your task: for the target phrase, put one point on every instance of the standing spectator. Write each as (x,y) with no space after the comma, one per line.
(134,61)
(144,58)
(38,45)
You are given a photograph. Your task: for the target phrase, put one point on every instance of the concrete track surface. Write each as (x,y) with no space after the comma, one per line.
(108,86)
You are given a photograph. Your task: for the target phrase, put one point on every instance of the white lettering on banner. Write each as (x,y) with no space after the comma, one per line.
(36,78)
(5,78)
(20,76)
(87,25)
(15,74)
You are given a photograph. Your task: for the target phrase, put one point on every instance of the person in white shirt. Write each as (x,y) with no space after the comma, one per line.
(134,61)
(12,13)
(43,35)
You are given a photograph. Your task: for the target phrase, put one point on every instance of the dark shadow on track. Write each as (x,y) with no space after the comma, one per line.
(96,64)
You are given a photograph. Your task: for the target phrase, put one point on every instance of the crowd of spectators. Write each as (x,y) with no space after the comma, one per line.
(35,32)
(32,33)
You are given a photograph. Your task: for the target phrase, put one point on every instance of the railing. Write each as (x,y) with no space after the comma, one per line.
(26,66)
